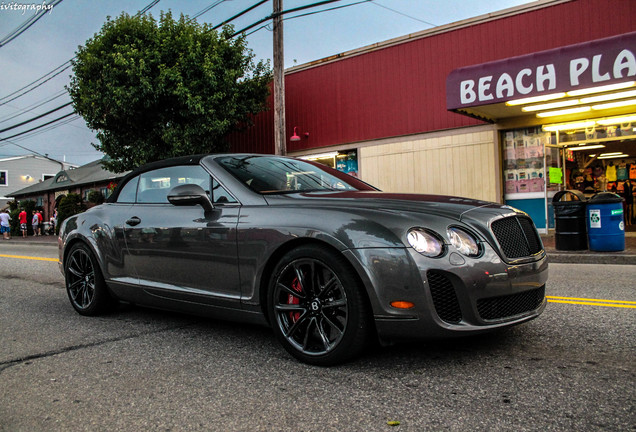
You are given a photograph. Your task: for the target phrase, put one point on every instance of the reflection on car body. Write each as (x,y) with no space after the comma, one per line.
(326,260)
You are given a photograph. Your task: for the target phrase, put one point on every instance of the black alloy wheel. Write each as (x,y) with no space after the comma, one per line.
(84,282)
(317,307)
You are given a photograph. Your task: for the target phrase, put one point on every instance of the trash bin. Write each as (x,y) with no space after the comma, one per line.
(569,217)
(605,226)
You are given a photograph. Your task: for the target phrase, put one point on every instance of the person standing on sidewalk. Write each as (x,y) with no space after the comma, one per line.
(22,217)
(35,222)
(5,224)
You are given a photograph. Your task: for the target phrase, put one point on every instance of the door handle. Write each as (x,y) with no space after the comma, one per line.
(133,221)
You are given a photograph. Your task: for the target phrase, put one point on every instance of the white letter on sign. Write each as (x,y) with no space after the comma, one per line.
(519,81)
(625,60)
(467,94)
(549,75)
(484,86)
(577,67)
(505,84)
(596,73)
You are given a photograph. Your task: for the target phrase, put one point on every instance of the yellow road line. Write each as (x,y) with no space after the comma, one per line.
(29,258)
(592,302)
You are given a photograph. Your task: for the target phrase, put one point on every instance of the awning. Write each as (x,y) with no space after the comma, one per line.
(482,90)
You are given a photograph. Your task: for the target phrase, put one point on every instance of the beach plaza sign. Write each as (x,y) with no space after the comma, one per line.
(591,64)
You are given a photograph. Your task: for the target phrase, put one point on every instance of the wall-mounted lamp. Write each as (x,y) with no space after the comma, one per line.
(28,177)
(296,137)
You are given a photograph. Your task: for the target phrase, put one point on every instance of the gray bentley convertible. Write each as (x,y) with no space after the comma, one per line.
(326,260)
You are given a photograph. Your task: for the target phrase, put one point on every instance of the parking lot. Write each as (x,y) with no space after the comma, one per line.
(137,369)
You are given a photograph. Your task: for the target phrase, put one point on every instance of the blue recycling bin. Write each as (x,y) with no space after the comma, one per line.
(605,225)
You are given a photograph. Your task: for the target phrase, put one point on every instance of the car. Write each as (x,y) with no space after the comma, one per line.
(326,260)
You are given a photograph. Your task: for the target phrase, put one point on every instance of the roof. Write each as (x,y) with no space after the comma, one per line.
(14,158)
(93,172)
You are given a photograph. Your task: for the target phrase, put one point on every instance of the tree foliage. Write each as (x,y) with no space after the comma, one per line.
(157,89)
(70,205)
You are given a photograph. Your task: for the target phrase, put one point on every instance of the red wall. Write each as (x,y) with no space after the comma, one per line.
(400,90)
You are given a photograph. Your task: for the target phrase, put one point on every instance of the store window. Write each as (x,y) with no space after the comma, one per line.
(345,161)
(523,158)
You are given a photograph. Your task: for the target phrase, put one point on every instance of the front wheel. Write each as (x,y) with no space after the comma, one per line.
(85,284)
(318,309)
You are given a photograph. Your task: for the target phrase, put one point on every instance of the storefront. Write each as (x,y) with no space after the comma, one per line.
(566,119)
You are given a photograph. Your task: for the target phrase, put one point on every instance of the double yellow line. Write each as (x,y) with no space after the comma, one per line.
(592,302)
(29,257)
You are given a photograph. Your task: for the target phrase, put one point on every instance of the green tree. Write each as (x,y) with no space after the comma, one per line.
(70,205)
(157,89)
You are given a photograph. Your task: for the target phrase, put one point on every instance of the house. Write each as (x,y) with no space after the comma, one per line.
(82,180)
(19,172)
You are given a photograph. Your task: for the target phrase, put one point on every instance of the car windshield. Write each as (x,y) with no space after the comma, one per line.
(279,175)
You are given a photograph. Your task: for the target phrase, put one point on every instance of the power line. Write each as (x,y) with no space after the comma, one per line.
(207,9)
(267,18)
(64,65)
(38,127)
(243,12)
(67,64)
(36,117)
(28,23)
(30,108)
(312,13)
(405,15)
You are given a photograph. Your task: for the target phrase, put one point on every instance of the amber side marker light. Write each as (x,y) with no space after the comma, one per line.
(402,305)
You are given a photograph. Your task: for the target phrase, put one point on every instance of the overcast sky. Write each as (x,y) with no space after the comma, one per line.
(53,40)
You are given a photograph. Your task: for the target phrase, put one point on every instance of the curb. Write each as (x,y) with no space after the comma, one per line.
(620,258)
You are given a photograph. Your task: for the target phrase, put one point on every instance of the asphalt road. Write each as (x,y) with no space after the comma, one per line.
(572,369)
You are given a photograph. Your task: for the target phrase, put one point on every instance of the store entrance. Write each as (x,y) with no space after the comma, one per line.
(601,159)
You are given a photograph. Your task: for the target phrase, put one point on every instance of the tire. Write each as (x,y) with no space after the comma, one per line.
(317,308)
(85,284)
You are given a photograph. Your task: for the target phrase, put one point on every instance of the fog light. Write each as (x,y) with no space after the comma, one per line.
(402,305)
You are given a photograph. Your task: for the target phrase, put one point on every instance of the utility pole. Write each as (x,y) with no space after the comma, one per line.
(280,141)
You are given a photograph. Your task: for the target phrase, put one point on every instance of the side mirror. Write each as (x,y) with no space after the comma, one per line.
(190,195)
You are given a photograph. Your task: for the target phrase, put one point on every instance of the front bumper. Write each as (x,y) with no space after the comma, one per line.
(453,295)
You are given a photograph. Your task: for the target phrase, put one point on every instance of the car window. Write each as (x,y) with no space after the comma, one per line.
(154,185)
(272,175)
(128,192)
(220,195)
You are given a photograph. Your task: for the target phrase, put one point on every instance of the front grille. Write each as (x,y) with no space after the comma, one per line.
(496,308)
(517,236)
(444,297)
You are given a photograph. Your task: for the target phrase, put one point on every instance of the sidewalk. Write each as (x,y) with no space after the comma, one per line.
(628,256)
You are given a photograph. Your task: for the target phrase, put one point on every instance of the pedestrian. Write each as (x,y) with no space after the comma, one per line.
(35,221)
(40,222)
(22,217)
(629,201)
(5,224)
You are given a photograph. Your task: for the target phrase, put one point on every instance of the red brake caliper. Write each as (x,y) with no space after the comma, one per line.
(291,299)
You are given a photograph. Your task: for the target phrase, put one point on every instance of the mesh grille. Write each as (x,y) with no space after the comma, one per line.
(508,306)
(444,297)
(517,236)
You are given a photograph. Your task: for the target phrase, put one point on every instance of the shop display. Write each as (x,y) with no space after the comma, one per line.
(523,160)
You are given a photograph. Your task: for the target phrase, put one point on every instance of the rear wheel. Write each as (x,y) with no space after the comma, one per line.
(85,284)
(317,307)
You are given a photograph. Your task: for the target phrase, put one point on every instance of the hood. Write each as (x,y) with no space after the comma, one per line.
(452,207)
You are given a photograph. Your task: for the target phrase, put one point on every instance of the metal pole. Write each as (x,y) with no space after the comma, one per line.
(280,142)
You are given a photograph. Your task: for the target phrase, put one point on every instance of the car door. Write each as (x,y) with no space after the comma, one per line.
(183,252)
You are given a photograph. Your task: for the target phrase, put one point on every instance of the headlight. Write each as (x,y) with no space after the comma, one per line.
(464,242)
(425,242)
